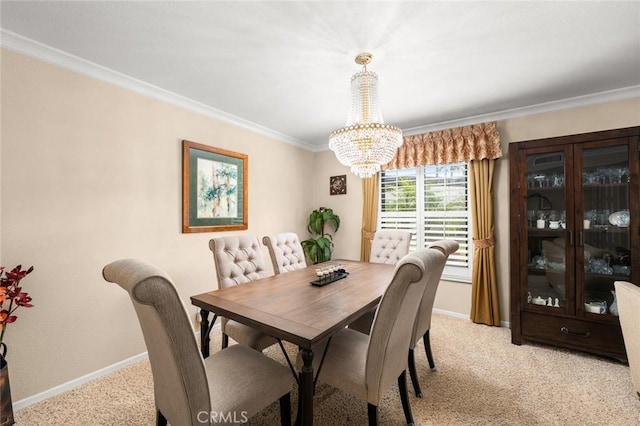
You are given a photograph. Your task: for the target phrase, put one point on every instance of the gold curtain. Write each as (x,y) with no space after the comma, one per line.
(455,145)
(369,214)
(485,304)
(479,146)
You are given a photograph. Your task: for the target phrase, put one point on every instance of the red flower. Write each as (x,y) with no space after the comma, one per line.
(11,293)
(5,318)
(15,275)
(23,299)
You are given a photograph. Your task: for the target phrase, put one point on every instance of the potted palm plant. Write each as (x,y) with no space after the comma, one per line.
(318,248)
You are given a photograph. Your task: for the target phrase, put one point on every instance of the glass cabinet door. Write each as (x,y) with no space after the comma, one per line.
(603,246)
(548,227)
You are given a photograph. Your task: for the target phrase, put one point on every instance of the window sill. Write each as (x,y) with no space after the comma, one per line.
(453,278)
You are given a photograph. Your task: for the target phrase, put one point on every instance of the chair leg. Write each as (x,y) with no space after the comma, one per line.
(372,414)
(414,374)
(225,341)
(285,410)
(404,397)
(427,348)
(161,420)
(299,410)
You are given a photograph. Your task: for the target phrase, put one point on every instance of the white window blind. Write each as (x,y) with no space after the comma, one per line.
(433,203)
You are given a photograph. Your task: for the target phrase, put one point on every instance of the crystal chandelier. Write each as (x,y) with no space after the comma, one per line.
(365,143)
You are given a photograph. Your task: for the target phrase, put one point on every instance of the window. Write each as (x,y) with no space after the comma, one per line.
(433,203)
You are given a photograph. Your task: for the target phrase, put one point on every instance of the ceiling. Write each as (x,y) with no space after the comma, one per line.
(284,67)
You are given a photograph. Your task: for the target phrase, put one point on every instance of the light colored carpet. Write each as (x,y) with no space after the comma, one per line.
(482,379)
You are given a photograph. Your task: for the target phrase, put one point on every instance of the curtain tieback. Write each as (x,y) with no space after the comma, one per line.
(484,243)
(368,234)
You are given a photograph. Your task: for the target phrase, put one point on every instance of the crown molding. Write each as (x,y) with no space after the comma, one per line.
(35,49)
(26,46)
(578,101)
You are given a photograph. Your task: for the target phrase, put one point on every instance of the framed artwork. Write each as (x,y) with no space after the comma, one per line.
(214,189)
(545,204)
(338,185)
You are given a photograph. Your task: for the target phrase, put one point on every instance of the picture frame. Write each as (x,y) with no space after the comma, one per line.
(215,186)
(338,185)
(545,204)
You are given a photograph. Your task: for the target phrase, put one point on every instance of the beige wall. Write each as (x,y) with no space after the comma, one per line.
(91,172)
(348,207)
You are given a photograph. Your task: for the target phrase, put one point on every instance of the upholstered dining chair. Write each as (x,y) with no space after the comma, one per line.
(285,251)
(366,366)
(389,246)
(239,260)
(628,300)
(230,385)
(423,319)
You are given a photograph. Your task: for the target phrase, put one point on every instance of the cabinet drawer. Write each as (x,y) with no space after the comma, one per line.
(574,333)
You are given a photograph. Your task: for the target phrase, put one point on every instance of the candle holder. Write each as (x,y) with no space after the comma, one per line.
(329,274)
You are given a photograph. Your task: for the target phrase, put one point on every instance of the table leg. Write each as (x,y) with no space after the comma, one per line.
(205,339)
(306,387)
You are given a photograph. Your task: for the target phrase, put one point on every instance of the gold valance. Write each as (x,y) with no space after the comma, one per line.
(459,144)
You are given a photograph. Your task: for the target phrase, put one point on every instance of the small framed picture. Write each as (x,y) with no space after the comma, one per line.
(338,185)
(214,189)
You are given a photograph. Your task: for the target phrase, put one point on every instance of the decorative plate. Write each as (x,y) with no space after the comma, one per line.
(338,185)
(620,218)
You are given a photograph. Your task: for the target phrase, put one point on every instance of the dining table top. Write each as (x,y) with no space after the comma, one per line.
(288,307)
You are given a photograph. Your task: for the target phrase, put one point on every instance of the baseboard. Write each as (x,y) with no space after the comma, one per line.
(450,313)
(77,382)
(89,377)
(463,316)
(136,358)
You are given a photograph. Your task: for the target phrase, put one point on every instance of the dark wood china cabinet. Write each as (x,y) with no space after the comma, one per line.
(575,230)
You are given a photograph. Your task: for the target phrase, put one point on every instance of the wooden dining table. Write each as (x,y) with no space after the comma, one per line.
(288,307)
